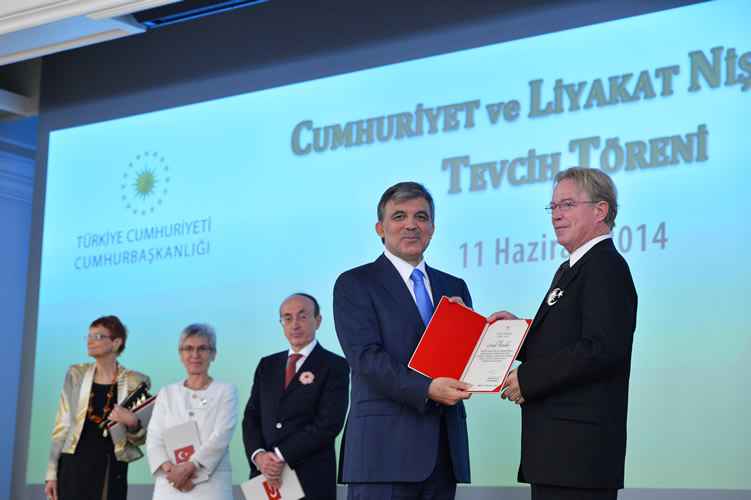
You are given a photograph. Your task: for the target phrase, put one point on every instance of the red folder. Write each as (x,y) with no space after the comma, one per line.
(450,341)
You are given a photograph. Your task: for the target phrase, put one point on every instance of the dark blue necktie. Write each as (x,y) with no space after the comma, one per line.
(424,305)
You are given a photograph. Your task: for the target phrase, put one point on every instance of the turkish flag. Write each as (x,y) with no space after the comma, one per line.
(183,454)
(271,491)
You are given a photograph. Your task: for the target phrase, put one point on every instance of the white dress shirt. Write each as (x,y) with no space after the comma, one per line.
(579,252)
(405,271)
(304,352)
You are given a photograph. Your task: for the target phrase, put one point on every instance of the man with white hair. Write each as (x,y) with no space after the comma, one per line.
(572,384)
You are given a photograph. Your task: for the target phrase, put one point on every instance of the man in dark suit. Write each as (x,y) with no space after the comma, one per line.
(573,382)
(297,405)
(406,435)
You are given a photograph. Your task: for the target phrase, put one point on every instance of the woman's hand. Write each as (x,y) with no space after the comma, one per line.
(124,416)
(187,486)
(180,475)
(50,489)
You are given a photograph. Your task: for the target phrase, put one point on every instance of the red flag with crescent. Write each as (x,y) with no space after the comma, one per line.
(271,492)
(183,454)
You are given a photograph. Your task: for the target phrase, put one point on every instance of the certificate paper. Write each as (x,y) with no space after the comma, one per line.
(493,355)
(181,442)
(459,343)
(259,489)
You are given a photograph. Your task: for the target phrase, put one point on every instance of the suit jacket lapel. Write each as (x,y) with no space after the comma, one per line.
(392,281)
(437,286)
(310,364)
(561,283)
(275,378)
(568,276)
(122,383)
(85,391)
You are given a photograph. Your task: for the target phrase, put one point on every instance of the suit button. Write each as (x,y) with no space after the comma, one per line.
(278,425)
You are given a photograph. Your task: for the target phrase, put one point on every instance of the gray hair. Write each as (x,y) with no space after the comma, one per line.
(405,191)
(199,330)
(597,184)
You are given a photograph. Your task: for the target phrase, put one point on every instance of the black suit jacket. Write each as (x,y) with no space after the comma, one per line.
(392,432)
(574,376)
(303,420)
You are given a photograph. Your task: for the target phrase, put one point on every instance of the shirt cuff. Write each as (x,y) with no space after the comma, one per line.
(255,454)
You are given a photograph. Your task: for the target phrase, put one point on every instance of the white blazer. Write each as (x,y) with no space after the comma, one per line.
(214,410)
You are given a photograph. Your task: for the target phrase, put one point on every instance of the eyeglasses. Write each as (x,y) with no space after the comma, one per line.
(288,319)
(97,336)
(201,349)
(567,205)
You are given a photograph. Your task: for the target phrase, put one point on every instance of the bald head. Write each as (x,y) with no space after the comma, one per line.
(300,317)
(310,298)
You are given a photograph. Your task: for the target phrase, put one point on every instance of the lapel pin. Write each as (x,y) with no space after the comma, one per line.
(307,378)
(554,295)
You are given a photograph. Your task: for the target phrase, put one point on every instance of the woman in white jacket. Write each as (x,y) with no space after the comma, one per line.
(212,405)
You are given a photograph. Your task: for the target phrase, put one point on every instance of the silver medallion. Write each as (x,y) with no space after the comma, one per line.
(554,295)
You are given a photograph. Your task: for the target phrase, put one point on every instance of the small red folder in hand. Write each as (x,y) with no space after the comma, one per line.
(460,343)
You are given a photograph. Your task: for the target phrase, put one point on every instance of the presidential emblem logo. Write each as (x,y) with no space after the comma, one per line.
(145,183)
(554,295)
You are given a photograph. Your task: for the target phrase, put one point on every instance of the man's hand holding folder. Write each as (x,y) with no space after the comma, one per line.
(448,391)
(445,390)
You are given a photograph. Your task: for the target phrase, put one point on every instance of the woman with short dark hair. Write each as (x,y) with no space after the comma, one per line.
(85,463)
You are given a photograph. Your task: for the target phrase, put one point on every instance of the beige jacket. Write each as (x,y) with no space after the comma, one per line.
(71,414)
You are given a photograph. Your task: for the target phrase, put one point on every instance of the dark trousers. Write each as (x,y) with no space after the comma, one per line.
(544,492)
(440,485)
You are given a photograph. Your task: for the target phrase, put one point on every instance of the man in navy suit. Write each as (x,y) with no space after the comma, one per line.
(406,435)
(297,405)
(573,382)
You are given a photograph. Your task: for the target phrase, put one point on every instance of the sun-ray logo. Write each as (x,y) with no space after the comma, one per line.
(145,183)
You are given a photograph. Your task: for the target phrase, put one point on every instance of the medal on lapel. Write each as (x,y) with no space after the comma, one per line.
(307,378)
(554,295)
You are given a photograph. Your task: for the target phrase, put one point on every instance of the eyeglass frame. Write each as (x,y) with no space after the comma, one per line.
(98,336)
(201,349)
(287,320)
(567,205)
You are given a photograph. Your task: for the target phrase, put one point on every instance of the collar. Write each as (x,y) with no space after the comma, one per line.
(405,268)
(579,252)
(88,381)
(305,351)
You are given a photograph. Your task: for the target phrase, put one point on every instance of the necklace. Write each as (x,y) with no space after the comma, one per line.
(202,387)
(93,417)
